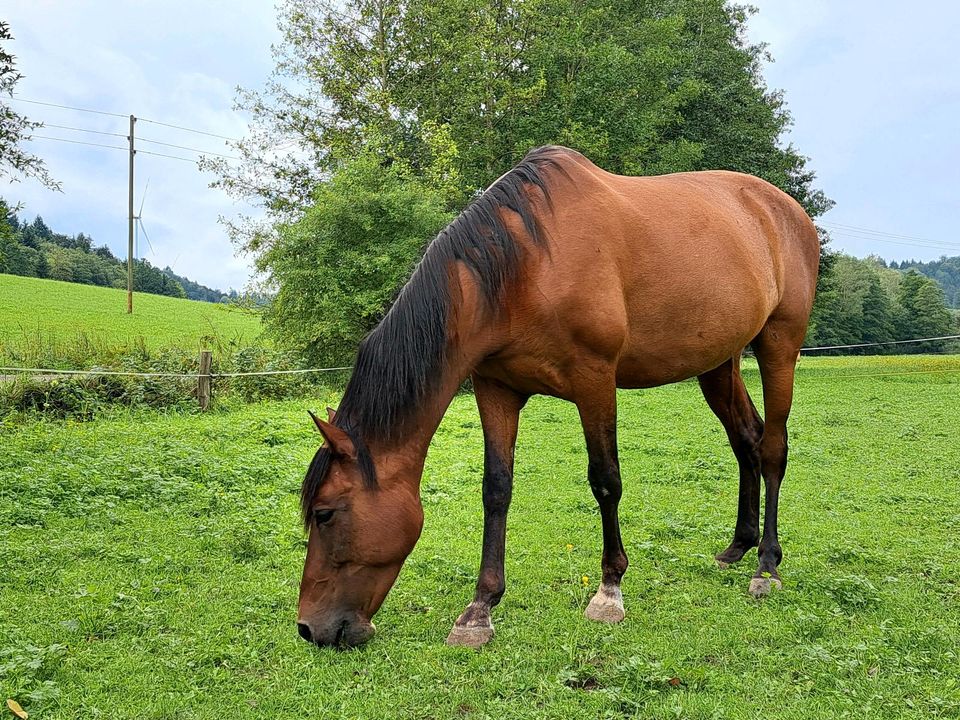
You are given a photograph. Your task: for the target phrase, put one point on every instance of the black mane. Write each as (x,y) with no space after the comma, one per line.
(399,362)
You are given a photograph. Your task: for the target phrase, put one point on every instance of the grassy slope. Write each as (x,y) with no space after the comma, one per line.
(164,553)
(58,310)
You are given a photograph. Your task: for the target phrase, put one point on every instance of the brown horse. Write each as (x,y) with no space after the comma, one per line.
(561,279)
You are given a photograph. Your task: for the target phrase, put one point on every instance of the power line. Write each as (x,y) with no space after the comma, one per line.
(183,147)
(116,147)
(180,127)
(859,233)
(855,228)
(66,107)
(172,157)
(933,245)
(120,115)
(76,142)
(95,132)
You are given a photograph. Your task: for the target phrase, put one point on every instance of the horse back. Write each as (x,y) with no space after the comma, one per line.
(660,278)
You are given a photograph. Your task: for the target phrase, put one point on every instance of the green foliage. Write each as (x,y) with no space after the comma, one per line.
(946,271)
(641,88)
(336,268)
(455,92)
(151,564)
(862,301)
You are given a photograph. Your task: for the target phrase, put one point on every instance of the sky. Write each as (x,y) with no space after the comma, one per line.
(873,87)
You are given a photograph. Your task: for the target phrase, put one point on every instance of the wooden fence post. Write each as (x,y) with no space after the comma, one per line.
(204,379)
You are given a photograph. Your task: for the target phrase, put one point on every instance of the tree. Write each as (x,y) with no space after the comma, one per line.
(640,87)
(924,311)
(336,267)
(15,128)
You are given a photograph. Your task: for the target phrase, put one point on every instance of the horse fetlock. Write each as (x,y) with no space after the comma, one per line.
(606,606)
(734,553)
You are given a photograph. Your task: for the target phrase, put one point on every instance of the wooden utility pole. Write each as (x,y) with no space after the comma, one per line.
(130,225)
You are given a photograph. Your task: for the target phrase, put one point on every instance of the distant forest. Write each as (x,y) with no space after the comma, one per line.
(869,301)
(32,249)
(945,271)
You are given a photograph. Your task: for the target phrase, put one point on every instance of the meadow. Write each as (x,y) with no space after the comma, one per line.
(49,318)
(151,561)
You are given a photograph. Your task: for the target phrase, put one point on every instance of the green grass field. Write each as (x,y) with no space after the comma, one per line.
(150,566)
(35,311)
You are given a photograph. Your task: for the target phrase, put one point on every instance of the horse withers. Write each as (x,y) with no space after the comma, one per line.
(565,280)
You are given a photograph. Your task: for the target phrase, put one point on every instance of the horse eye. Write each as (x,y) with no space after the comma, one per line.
(323,516)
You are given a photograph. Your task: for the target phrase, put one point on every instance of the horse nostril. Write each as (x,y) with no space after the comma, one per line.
(304,631)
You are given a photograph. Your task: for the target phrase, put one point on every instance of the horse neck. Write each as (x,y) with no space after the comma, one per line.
(470,343)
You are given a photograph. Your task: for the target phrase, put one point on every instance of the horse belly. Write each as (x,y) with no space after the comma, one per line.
(680,340)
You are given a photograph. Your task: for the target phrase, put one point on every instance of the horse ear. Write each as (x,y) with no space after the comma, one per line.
(337,440)
(331,414)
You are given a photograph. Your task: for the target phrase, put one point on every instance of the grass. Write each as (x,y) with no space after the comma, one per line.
(150,566)
(37,313)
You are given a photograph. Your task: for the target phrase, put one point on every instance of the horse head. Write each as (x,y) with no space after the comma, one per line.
(360,533)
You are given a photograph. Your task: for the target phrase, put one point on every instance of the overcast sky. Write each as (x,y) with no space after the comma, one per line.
(874,88)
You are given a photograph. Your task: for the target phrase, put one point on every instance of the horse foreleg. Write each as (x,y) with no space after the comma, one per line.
(499,415)
(598,414)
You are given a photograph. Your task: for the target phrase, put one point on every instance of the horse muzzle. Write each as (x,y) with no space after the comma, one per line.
(342,633)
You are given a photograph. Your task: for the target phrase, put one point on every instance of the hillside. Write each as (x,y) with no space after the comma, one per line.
(35,250)
(55,310)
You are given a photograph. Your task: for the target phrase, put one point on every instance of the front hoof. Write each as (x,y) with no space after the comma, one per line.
(470,636)
(761,586)
(606,606)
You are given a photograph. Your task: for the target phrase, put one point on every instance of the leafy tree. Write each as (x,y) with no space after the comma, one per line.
(336,267)
(639,87)
(862,301)
(14,127)
(924,311)
(945,271)
(878,313)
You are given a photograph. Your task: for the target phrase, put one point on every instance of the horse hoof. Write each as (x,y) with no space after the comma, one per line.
(474,637)
(723,565)
(606,606)
(761,586)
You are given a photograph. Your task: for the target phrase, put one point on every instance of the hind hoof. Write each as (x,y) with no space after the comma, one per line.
(473,637)
(722,564)
(761,586)
(606,606)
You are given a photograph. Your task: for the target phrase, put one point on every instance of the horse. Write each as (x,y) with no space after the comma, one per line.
(560,279)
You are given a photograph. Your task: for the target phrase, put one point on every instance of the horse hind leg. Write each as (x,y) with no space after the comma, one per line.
(726,395)
(777,347)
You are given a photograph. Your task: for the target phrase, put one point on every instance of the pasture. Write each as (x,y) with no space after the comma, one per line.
(50,318)
(151,561)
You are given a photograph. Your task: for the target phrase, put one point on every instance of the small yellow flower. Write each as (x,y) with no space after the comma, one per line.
(569,547)
(585,580)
